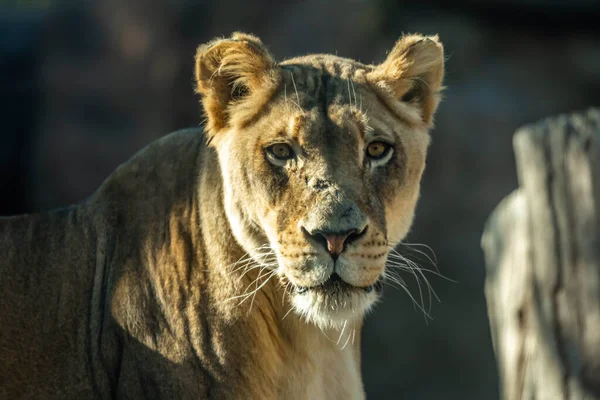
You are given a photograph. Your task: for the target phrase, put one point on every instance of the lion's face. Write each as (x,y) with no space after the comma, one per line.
(321,164)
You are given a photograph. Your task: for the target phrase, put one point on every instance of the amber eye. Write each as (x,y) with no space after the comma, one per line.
(281,151)
(378,150)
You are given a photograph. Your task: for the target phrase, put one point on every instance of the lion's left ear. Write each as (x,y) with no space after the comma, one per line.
(413,73)
(231,71)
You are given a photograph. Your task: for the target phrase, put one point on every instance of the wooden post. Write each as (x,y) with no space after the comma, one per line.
(542,251)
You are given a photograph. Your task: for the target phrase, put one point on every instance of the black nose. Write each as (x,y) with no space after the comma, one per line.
(335,242)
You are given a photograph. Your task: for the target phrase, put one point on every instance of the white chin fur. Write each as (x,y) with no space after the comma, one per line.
(333,311)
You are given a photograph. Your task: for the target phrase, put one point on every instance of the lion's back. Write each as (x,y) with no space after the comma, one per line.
(52,270)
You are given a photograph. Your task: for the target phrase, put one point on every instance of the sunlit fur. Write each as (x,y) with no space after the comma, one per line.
(191,273)
(327,109)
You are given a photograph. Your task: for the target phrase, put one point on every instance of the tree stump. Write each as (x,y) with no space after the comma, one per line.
(542,251)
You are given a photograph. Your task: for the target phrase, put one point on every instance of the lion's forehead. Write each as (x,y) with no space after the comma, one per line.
(324,83)
(333,129)
(326,97)
(321,112)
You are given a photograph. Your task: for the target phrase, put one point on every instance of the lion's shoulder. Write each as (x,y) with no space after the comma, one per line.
(159,172)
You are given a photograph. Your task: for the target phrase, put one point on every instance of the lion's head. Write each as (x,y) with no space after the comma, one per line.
(321,159)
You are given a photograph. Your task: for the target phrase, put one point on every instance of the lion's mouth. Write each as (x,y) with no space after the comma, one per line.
(336,284)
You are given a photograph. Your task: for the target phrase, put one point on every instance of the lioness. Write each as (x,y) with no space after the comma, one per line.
(235,261)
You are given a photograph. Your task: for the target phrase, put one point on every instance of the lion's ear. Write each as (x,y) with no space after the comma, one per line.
(413,72)
(230,70)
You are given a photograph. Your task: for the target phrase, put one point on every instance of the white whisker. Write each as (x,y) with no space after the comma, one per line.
(349,94)
(425,313)
(342,332)
(414,267)
(412,245)
(395,258)
(248,295)
(397,262)
(347,341)
(428,285)
(287,313)
(296,90)
(324,334)
(415,248)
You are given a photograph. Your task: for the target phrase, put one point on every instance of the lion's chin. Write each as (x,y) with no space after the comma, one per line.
(335,304)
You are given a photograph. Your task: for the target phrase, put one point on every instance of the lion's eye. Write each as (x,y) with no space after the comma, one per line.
(378,150)
(281,151)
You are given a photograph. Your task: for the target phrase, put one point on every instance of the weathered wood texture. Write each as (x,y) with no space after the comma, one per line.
(542,250)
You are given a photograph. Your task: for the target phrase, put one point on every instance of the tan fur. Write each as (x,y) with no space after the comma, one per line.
(139,292)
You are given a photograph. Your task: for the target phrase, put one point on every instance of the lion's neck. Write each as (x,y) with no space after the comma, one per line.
(292,357)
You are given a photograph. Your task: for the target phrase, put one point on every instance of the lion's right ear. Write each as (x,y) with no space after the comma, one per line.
(230,72)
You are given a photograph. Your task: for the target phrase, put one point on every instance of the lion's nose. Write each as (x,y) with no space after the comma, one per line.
(336,242)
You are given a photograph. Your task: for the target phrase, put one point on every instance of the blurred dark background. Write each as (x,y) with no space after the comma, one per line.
(85,84)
